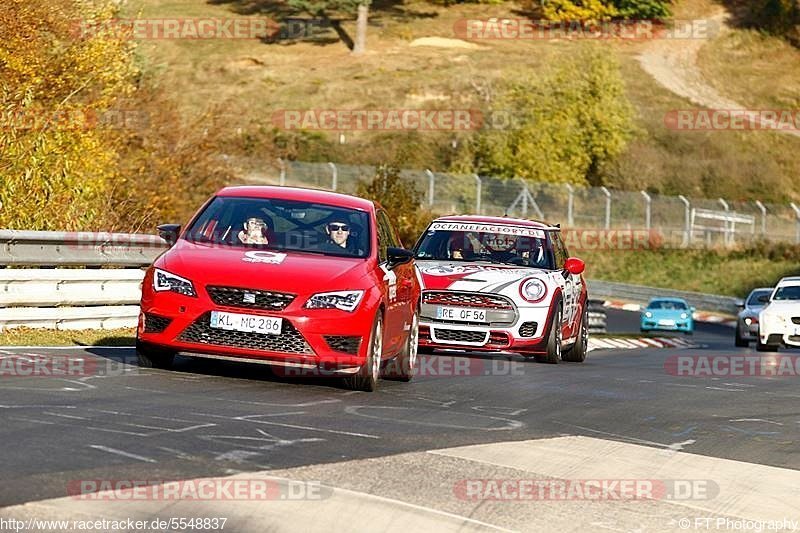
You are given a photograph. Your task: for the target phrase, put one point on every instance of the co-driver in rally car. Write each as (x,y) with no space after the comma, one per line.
(501,284)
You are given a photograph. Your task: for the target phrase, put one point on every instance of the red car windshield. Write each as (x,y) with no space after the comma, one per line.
(287,225)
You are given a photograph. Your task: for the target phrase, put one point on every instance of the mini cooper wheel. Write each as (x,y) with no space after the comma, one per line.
(368,375)
(150,356)
(553,340)
(404,366)
(577,353)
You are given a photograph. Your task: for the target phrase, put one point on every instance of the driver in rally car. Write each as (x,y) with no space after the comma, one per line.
(459,246)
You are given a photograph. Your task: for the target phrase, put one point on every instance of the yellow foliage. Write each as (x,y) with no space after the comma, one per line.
(578,10)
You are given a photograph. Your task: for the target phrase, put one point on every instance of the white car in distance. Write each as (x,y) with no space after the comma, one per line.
(779,320)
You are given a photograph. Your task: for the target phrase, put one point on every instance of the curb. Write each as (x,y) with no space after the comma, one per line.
(633,343)
(700,316)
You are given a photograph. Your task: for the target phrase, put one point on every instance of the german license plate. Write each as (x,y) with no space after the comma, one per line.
(247,323)
(666,322)
(461,314)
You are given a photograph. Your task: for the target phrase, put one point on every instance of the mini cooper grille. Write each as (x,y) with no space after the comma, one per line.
(796,319)
(155,323)
(249,298)
(456,335)
(467,299)
(289,341)
(342,343)
(528,329)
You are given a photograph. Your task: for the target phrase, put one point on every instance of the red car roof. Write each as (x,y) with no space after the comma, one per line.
(495,220)
(299,194)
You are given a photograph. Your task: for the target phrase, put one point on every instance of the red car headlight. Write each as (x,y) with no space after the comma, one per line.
(344,300)
(167,281)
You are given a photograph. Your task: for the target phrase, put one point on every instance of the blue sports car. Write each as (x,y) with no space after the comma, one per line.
(668,314)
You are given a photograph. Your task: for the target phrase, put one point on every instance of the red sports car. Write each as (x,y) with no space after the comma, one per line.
(312,281)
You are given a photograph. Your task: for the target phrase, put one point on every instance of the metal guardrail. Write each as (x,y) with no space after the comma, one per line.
(641,294)
(74,298)
(64,248)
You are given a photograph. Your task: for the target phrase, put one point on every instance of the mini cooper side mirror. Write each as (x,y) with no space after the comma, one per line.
(398,256)
(169,232)
(575,266)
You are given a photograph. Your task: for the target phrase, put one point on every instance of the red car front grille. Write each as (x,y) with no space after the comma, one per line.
(466,299)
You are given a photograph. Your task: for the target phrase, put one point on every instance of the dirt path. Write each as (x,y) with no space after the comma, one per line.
(673,64)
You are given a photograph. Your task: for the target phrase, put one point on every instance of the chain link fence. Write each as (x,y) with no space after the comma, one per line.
(678,220)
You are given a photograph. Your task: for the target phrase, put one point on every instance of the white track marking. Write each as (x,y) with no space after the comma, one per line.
(122,453)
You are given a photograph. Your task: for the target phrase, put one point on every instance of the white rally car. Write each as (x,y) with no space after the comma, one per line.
(501,284)
(779,320)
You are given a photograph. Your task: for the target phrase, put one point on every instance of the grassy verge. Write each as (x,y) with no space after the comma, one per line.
(732,273)
(51,337)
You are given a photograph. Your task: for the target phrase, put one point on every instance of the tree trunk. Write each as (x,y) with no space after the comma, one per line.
(360,45)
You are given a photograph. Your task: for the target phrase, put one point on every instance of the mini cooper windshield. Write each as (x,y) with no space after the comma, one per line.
(526,247)
(286,225)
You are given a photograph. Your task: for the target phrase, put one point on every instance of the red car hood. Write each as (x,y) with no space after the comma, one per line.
(474,277)
(295,272)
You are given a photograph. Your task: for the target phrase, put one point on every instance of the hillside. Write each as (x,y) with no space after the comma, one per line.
(244,82)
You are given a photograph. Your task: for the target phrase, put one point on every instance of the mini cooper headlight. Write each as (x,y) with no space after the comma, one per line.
(533,290)
(648,314)
(167,281)
(684,315)
(344,300)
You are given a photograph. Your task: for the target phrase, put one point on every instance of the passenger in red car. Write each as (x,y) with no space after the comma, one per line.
(254,232)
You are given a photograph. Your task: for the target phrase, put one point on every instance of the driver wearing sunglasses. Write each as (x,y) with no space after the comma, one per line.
(338,233)
(339,238)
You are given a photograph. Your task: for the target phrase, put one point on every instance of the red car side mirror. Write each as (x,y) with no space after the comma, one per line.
(575,265)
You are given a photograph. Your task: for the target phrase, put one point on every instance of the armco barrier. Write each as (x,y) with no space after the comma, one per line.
(641,294)
(83,298)
(73,298)
(64,248)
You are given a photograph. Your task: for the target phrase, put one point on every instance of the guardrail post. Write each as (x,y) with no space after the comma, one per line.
(647,205)
(763,210)
(687,230)
(608,207)
(730,226)
(334,176)
(797,222)
(478,190)
(570,204)
(282,165)
(431,182)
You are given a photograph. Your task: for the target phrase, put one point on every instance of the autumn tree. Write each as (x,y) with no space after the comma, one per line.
(565,125)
